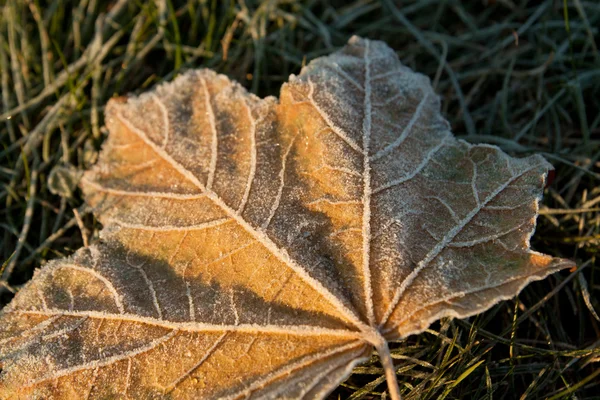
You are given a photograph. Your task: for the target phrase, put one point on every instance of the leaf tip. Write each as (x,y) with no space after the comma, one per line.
(544,261)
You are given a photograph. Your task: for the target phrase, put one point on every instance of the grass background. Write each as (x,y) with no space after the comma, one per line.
(524,75)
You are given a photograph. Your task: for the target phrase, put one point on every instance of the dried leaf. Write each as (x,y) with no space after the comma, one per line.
(63,180)
(256,248)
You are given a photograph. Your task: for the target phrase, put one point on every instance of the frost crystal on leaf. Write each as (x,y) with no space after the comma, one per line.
(260,248)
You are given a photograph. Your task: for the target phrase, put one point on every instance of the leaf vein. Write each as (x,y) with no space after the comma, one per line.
(339,132)
(102,362)
(214,147)
(165,115)
(187,373)
(299,330)
(405,132)
(303,362)
(253,150)
(113,291)
(160,195)
(415,172)
(367,192)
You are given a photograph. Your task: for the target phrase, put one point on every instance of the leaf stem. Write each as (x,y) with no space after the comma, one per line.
(390,372)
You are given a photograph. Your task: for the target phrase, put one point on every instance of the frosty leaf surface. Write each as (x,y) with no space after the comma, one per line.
(260,248)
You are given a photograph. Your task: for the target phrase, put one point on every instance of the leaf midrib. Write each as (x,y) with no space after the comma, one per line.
(189,326)
(367,191)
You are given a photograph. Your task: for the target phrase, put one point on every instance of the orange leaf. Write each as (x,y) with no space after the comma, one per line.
(261,248)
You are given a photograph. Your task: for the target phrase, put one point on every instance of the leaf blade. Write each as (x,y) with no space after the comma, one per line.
(239,230)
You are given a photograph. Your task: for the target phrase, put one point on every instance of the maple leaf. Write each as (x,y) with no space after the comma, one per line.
(256,248)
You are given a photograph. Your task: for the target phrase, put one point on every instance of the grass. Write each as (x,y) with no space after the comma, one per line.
(522,75)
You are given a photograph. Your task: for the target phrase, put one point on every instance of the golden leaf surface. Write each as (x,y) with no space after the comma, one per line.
(256,248)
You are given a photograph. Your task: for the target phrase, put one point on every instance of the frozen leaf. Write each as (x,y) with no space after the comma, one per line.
(63,180)
(256,248)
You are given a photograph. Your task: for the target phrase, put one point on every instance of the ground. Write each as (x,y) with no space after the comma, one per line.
(524,75)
